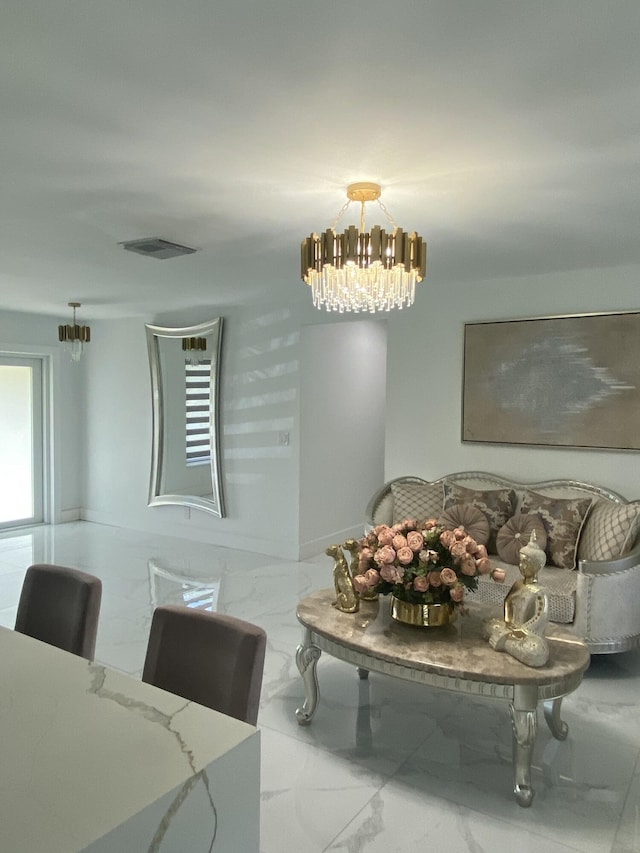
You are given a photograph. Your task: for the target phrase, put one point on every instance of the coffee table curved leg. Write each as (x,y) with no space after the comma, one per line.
(524,722)
(307,656)
(559,729)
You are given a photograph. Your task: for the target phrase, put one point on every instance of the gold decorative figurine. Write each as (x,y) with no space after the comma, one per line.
(526,613)
(352,546)
(346,596)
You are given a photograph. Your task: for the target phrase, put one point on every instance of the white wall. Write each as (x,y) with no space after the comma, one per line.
(424,393)
(259,398)
(263,367)
(35,334)
(342,402)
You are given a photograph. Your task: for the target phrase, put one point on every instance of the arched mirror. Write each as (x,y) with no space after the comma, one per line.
(185,378)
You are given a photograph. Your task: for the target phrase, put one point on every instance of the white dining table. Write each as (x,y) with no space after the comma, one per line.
(94,760)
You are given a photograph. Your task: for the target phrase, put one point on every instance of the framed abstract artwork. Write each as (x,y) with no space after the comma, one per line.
(571,381)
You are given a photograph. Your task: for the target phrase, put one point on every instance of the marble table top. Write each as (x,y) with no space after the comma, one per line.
(454,651)
(86,748)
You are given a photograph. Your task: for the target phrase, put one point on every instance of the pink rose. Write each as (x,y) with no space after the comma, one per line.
(498,575)
(483,565)
(459,533)
(364,559)
(405,555)
(448,577)
(385,537)
(430,523)
(360,584)
(458,550)
(411,522)
(471,546)
(457,593)
(447,538)
(399,541)
(468,566)
(398,527)
(415,540)
(481,552)
(372,577)
(386,554)
(391,573)
(434,579)
(421,584)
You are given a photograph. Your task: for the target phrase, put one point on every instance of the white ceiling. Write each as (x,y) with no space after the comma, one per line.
(506,133)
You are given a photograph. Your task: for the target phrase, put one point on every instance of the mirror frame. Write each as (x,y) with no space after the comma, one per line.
(156,498)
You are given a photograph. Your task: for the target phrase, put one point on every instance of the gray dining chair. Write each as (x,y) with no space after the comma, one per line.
(60,606)
(208,658)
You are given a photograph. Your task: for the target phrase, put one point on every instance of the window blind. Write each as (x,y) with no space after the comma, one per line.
(198,412)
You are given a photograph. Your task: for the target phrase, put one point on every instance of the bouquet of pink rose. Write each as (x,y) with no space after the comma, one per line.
(420,562)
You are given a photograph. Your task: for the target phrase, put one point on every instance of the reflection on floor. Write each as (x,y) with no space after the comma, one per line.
(386,765)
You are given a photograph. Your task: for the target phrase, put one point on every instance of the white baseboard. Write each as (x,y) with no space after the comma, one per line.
(187,530)
(317,546)
(69,515)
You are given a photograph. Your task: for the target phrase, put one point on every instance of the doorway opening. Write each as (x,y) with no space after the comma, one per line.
(21,441)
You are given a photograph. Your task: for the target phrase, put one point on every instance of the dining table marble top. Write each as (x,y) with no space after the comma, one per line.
(87,749)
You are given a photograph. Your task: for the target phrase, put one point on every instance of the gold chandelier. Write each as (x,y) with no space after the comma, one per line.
(198,344)
(74,337)
(359,271)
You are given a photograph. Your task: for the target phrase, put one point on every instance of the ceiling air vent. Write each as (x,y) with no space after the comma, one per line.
(154,247)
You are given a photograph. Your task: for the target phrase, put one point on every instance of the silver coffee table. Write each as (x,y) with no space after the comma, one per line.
(454,658)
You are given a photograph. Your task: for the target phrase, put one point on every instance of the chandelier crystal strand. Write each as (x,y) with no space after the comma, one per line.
(358,271)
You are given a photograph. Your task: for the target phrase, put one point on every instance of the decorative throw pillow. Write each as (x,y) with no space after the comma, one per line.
(384,511)
(498,505)
(563,520)
(416,500)
(470,518)
(516,533)
(610,531)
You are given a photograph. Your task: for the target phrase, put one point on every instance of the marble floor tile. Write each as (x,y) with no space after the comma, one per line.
(385,765)
(628,834)
(308,796)
(399,819)
(580,784)
(10,587)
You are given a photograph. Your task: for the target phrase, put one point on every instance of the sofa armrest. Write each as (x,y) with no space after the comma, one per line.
(606,567)
(608,603)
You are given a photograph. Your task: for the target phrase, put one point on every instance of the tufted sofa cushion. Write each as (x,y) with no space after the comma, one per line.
(498,505)
(472,520)
(516,533)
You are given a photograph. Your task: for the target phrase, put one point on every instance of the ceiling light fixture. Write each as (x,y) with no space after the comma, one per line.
(189,344)
(74,337)
(359,271)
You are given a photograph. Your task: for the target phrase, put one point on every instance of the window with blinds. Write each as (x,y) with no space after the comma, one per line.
(198,412)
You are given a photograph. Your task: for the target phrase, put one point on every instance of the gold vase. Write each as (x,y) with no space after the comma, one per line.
(423,615)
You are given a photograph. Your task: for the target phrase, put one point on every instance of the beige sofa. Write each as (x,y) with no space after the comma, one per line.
(586,526)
